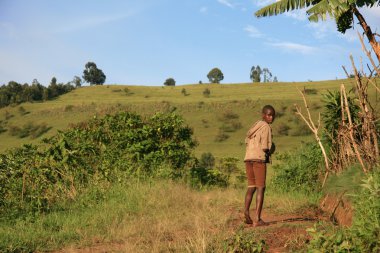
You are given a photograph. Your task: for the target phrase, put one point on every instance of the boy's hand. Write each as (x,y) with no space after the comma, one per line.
(267,155)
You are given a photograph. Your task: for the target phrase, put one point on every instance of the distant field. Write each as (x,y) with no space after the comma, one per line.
(205,114)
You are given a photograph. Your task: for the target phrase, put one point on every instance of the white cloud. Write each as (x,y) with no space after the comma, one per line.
(203,9)
(294,47)
(253,31)
(226,3)
(297,14)
(322,29)
(262,3)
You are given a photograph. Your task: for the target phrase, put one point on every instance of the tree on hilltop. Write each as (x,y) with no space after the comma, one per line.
(77,81)
(342,11)
(169,82)
(256,74)
(215,75)
(93,75)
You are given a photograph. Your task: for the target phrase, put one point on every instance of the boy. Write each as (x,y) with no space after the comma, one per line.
(258,150)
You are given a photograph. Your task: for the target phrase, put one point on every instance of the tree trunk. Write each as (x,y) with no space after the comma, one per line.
(368,32)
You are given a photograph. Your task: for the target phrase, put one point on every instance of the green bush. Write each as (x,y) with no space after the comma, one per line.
(207,160)
(113,148)
(221,136)
(29,129)
(299,170)
(283,129)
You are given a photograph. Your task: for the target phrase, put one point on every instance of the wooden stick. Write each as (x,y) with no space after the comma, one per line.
(309,122)
(351,128)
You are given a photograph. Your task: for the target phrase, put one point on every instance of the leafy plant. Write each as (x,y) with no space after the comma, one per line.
(363,236)
(299,170)
(244,242)
(113,148)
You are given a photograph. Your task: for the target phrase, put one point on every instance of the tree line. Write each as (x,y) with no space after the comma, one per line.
(215,75)
(16,93)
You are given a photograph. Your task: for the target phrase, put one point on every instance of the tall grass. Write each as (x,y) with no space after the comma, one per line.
(151,216)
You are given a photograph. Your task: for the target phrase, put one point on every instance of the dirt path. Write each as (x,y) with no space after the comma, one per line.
(285,232)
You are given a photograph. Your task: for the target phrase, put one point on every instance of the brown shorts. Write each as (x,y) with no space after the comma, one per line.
(256,173)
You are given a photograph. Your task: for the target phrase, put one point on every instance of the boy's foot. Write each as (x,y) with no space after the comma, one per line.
(248,219)
(260,223)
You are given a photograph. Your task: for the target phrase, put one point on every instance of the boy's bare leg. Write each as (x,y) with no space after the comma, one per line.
(247,204)
(259,206)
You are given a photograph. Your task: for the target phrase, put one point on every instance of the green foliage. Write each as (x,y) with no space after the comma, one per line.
(204,174)
(201,177)
(301,129)
(29,129)
(228,165)
(299,170)
(93,75)
(169,82)
(16,93)
(244,242)
(215,75)
(332,115)
(34,178)
(309,91)
(283,129)
(363,235)
(207,161)
(342,11)
(206,92)
(221,136)
(255,74)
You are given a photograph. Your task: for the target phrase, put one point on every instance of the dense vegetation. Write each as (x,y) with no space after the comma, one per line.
(16,93)
(35,177)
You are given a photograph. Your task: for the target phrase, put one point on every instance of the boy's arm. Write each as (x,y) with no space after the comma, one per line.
(266,138)
(266,142)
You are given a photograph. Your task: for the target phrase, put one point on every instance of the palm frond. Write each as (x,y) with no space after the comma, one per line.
(334,8)
(282,6)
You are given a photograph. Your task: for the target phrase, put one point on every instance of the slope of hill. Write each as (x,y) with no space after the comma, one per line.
(225,114)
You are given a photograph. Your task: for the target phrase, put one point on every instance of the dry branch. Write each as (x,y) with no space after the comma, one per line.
(310,123)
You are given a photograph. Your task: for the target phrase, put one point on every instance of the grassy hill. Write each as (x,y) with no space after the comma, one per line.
(231,107)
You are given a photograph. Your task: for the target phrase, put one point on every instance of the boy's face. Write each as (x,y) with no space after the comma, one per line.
(268,116)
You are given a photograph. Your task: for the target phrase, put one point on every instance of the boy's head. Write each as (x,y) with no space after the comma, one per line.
(268,114)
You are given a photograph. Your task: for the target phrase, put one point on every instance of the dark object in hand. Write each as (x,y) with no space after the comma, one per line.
(267,156)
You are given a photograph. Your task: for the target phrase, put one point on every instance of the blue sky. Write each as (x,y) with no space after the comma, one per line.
(143,42)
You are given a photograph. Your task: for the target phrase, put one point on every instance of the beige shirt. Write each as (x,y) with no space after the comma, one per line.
(259,137)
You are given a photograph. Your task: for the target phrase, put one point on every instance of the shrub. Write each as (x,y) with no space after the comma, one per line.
(33,178)
(310,91)
(228,165)
(29,129)
(283,129)
(68,108)
(299,170)
(221,136)
(231,127)
(206,93)
(229,115)
(301,129)
(207,160)
(202,177)
(22,111)
(244,242)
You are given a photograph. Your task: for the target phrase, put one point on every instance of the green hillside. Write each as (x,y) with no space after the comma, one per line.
(233,107)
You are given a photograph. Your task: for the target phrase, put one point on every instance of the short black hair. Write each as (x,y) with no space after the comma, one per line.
(268,107)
